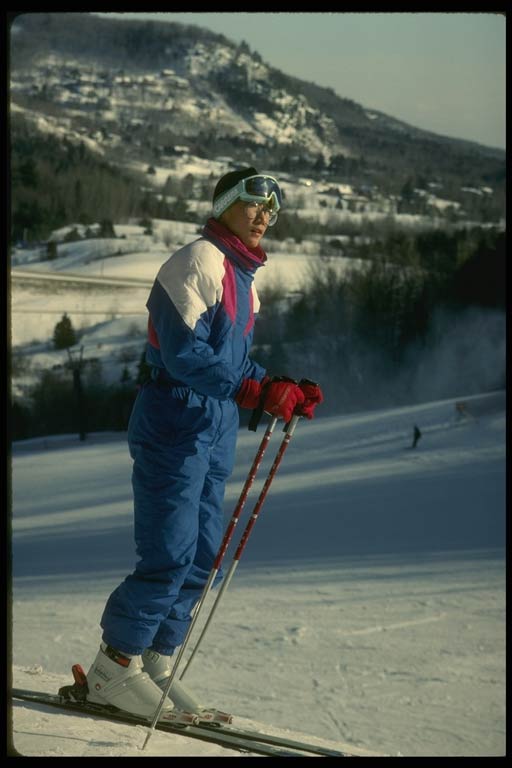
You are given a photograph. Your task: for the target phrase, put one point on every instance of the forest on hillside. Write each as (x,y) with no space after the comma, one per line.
(56,181)
(367,334)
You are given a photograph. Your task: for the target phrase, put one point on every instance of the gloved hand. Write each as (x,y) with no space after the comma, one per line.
(249,394)
(281,398)
(313,396)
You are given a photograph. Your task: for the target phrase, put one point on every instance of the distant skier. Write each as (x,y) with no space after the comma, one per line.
(416,436)
(182,435)
(462,412)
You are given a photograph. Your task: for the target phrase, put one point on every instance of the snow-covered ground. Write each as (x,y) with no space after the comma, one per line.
(369,607)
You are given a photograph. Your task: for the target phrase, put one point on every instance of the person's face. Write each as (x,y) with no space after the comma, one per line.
(247,221)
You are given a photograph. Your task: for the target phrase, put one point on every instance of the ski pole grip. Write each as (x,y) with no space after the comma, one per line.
(255,417)
(308,381)
(302,382)
(260,408)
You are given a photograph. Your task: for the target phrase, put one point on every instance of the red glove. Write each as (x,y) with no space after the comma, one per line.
(281,398)
(249,394)
(313,396)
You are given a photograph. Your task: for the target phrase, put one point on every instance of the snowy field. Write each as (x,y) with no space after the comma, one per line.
(369,607)
(131,257)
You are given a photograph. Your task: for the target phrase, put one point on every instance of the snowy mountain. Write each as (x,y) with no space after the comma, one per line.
(169,79)
(141,90)
(368,607)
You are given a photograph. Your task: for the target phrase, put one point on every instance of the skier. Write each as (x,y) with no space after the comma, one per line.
(182,434)
(416,436)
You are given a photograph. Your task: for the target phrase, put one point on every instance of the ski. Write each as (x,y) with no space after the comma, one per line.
(283,741)
(220,721)
(216,735)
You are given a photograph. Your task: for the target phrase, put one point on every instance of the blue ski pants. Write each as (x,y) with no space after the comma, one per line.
(183,447)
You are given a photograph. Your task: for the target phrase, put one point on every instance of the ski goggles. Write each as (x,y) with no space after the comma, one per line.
(253,189)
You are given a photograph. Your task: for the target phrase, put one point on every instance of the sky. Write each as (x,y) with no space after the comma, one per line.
(443,72)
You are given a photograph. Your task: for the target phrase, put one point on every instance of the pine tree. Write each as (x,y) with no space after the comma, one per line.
(64,335)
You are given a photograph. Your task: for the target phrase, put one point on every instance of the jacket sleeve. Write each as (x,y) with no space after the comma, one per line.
(253,370)
(182,306)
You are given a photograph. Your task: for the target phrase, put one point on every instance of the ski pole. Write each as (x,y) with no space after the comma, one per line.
(216,567)
(290,428)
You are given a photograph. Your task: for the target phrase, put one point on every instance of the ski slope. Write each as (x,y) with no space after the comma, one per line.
(368,609)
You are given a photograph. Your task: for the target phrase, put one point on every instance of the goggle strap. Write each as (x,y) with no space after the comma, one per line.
(224,201)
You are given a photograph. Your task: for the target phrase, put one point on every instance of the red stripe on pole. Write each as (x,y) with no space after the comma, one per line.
(228,535)
(262,497)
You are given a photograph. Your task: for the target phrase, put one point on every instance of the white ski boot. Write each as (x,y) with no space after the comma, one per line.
(118,679)
(159,668)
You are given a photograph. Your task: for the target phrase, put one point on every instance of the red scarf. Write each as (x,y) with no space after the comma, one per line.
(250,258)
